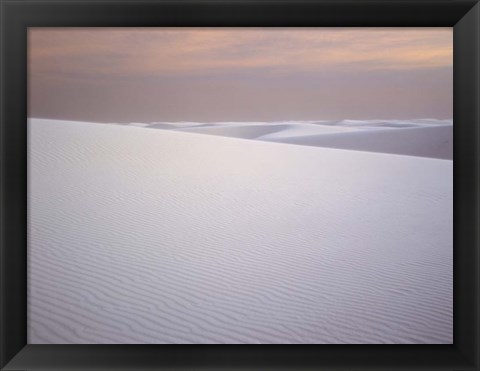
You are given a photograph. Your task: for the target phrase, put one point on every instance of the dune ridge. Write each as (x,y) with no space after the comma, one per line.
(436,141)
(421,137)
(162,236)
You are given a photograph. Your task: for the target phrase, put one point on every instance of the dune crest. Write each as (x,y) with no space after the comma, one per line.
(422,137)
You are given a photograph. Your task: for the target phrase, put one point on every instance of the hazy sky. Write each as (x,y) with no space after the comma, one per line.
(239,74)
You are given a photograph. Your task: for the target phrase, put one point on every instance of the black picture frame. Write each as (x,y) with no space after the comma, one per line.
(15,18)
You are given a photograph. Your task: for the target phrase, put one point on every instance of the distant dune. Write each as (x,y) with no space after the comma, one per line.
(165,236)
(265,130)
(423,137)
(434,141)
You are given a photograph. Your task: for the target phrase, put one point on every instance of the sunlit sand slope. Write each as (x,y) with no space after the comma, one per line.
(159,236)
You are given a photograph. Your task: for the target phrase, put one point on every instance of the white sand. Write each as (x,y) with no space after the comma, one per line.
(434,141)
(160,236)
(424,137)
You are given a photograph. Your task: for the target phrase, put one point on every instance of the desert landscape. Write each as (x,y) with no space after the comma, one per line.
(295,232)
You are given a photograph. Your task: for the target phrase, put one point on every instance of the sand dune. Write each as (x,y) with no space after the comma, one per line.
(252,130)
(269,130)
(236,131)
(434,141)
(162,236)
(423,137)
(387,123)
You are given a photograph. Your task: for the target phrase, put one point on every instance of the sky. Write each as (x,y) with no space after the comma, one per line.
(239,74)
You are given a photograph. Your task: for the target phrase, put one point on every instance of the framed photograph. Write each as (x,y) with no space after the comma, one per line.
(177,174)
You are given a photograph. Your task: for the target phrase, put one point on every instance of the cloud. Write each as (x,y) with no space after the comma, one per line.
(237,74)
(144,52)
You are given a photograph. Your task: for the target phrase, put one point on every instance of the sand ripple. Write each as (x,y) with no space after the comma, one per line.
(160,236)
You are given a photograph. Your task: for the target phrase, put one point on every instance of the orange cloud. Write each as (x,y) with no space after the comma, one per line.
(144,52)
